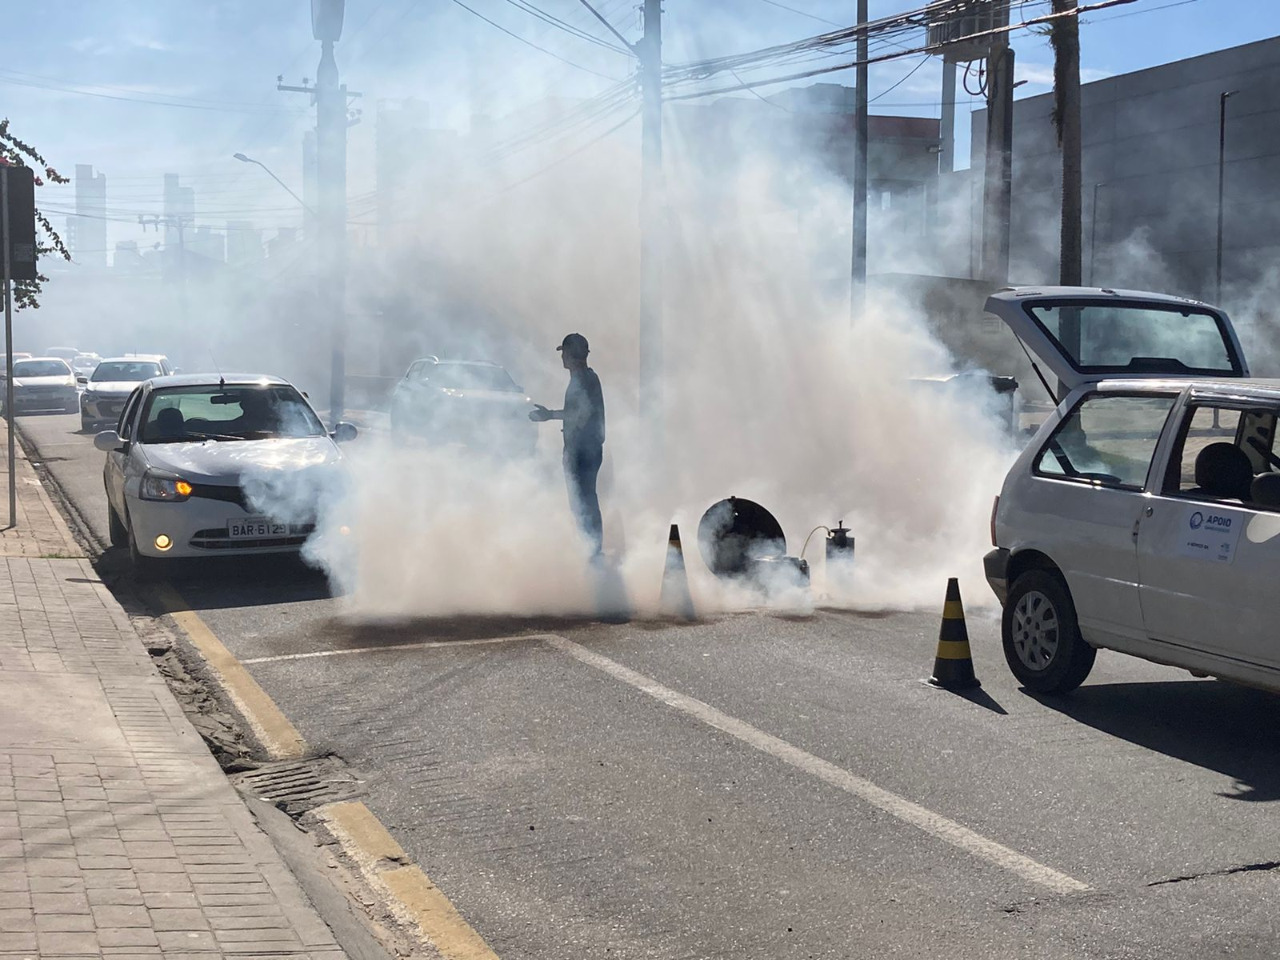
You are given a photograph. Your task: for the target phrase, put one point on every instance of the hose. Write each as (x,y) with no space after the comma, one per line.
(810,537)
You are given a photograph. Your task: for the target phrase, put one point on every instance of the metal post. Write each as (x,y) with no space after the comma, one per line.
(947,157)
(858,290)
(8,349)
(1093,232)
(331,179)
(1222,179)
(998,192)
(651,212)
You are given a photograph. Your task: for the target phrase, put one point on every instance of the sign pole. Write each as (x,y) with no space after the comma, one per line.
(8,346)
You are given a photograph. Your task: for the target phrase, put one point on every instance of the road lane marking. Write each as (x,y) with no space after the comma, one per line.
(274,731)
(424,645)
(413,898)
(903,809)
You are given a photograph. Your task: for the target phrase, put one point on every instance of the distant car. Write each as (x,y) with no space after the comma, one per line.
(84,363)
(112,380)
(44,384)
(468,402)
(63,353)
(182,467)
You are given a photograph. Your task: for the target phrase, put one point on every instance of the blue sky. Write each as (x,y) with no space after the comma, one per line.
(83,84)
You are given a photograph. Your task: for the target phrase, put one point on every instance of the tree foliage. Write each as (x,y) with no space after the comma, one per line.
(17,153)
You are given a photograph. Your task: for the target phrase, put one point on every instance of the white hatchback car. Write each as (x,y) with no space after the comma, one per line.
(1144,517)
(201,467)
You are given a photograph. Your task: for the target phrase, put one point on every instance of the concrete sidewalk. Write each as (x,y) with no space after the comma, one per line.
(120,836)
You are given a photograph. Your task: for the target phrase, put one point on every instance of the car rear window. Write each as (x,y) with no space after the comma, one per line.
(1108,439)
(132,370)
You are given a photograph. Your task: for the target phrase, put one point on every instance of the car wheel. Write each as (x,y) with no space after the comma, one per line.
(145,569)
(1042,641)
(116,530)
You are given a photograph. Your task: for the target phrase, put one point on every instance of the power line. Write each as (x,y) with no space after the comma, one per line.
(568,28)
(783,6)
(530,43)
(42,83)
(902,81)
(611,28)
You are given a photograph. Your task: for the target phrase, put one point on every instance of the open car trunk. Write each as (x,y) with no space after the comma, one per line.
(1081,335)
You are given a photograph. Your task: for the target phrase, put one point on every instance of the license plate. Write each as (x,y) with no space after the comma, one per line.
(256,528)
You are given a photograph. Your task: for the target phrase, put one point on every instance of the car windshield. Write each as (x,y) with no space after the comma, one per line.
(215,412)
(132,370)
(466,376)
(1117,338)
(41,368)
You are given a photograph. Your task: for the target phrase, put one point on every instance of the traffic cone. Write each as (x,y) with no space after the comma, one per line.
(675,599)
(953,666)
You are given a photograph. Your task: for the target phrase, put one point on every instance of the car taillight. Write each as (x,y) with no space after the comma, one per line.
(995,505)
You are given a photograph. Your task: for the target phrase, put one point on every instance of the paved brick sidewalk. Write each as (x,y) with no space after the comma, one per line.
(119,835)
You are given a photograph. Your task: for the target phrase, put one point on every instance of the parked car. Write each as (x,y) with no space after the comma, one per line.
(112,380)
(63,353)
(1144,516)
(472,403)
(180,470)
(84,364)
(44,384)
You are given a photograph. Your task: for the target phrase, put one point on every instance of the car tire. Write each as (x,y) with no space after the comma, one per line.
(117,532)
(145,569)
(1041,636)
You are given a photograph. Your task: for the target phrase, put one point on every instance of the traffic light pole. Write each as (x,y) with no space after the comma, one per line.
(651,214)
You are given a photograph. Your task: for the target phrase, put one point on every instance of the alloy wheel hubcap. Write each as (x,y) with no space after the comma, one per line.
(1035,630)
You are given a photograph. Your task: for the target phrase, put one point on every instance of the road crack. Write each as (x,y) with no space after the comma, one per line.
(1260,867)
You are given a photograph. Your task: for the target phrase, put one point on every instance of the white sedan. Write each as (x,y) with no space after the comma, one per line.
(202,467)
(44,383)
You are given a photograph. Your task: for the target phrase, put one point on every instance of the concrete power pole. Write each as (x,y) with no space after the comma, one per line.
(862,126)
(1066,93)
(998,189)
(652,204)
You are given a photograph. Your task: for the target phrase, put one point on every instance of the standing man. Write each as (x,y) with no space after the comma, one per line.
(583,417)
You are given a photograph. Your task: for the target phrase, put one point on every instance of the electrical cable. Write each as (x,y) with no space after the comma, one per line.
(902,81)
(529,43)
(783,6)
(811,533)
(567,27)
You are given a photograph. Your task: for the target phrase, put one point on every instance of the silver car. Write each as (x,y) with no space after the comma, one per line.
(44,384)
(112,380)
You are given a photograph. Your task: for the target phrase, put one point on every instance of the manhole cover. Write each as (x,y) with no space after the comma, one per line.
(296,786)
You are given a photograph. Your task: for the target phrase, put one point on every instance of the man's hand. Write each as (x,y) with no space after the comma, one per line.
(539,413)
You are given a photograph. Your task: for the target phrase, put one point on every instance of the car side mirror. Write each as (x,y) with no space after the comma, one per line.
(107,441)
(82,379)
(344,432)
(175,371)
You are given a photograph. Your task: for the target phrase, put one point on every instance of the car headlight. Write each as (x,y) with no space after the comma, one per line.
(161,486)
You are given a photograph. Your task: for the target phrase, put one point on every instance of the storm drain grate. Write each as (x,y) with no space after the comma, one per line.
(296,786)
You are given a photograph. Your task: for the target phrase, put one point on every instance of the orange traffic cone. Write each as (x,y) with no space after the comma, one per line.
(953,666)
(675,599)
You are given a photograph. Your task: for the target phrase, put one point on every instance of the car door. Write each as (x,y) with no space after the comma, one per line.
(1085,336)
(1085,496)
(1209,563)
(116,467)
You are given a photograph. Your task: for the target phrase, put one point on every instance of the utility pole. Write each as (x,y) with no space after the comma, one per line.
(1066,96)
(652,206)
(861,127)
(179,222)
(1222,182)
(998,188)
(330,98)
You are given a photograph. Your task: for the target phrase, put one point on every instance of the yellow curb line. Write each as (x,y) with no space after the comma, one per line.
(278,736)
(412,896)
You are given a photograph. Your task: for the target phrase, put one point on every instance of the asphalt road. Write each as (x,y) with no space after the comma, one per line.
(762,786)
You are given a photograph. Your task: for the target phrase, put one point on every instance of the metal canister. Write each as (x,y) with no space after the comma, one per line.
(840,546)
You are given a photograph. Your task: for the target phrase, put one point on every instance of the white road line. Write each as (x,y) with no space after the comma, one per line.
(426,645)
(932,823)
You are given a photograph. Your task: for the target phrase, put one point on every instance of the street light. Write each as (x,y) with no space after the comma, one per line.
(1222,173)
(243,159)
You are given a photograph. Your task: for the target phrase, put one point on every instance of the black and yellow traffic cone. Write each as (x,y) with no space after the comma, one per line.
(953,666)
(675,599)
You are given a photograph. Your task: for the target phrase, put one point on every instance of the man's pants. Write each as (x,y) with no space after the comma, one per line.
(581,466)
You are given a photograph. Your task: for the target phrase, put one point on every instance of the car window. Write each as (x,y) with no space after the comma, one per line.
(216,412)
(1221,452)
(467,376)
(41,368)
(125,370)
(125,427)
(1107,439)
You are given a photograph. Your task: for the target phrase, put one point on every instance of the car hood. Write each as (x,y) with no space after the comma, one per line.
(62,381)
(233,462)
(487,397)
(111,386)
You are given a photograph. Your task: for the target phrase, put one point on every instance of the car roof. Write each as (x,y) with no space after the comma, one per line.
(18,359)
(141,356)
(216,379)
(145,357)
(1264,389)
(1093,293)
(457,363)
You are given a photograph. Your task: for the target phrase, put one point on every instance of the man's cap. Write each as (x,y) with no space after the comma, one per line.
(575,344)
